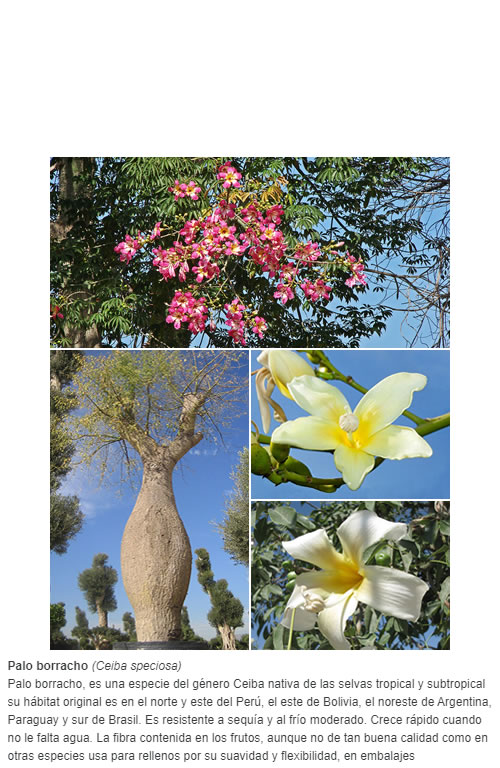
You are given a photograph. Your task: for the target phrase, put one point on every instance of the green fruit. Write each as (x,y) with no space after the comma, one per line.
(293,465)
(279,452)
(260,460)
(291,576)
(383,557)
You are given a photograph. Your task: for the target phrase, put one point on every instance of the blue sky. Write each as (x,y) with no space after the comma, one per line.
(202,485)
(406,479)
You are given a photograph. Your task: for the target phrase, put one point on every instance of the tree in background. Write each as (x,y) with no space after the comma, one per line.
(66,517)
(150,409)
(188,633)
(128,622)
(97,583)
(226,613)
(58,641)
(81,630)
(234,528)
(424,551)
(99,638)
(391,214)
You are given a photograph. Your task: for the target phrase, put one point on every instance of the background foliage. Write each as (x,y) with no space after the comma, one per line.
(424,552)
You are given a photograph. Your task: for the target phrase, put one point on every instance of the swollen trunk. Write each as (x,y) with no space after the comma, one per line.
(156,558)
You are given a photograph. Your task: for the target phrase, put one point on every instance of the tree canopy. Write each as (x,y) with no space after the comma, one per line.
(390,214)
(97,583)
(143,399)
(66,517)
(226,613)
(234,527)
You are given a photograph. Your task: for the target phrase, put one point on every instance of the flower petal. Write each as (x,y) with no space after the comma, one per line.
(387,400)
(332,621)
(354,465)
(395,442)
(302,619)
(308,432)
(394,593)
(264,387)
(319,398)
(342,578)
(364,528)
(315,548)
(285,365)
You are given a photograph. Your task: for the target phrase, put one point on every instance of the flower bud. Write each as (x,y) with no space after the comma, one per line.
(260,460)
(293,465)
(284,365)
(279,452)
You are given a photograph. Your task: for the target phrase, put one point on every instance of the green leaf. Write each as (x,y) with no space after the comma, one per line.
(283,515)
(278,637)
(444,592)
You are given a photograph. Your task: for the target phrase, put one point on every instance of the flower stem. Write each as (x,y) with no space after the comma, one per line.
(289,646)
(332,484)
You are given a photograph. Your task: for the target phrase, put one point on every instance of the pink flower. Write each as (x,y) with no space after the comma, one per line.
(156,232)
(307,252)
(192,190)
(128,248)
(259,326)
(230,176)
(55,312)
(178,189)
(283,293)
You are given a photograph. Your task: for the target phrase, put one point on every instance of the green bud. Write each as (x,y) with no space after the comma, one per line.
(383,557)
(313,356)
(279,452)
(260,460)
(293,465)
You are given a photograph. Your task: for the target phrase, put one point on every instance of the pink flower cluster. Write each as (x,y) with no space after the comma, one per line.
(357,268)
(185,190)
(185,308)
(238,321)
(55,312)
(253,236)
(129,247)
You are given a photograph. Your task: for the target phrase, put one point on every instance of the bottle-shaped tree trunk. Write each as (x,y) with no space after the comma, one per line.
(156,555)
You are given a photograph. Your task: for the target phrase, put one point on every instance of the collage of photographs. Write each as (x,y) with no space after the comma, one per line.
(249,403)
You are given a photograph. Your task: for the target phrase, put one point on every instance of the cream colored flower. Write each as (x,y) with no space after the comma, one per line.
(279,367)
(329,596)
(358,436)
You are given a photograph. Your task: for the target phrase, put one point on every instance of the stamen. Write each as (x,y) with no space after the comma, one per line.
(349,422)
(313,602)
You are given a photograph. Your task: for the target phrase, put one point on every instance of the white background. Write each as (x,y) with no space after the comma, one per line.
(320,78)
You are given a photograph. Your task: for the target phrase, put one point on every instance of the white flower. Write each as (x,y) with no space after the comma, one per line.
(279,367)
(330,596)
(356,437)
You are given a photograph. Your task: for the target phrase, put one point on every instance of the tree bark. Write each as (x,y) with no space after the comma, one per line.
(71,188)
(228,637)
(156,556)
(102,615)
